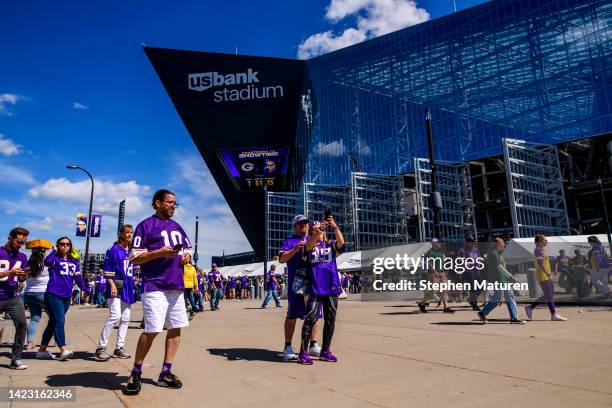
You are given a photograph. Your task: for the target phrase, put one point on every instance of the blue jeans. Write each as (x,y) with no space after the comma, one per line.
(100,299)
(57,307)
(494,301)
(271,294)
(199,301)
(36,304)
(189,301)
(215,297)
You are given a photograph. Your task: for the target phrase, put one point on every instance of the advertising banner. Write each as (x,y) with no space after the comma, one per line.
(81,225)
(96,225)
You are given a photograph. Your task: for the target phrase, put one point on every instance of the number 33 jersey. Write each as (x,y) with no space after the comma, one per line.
(162,273)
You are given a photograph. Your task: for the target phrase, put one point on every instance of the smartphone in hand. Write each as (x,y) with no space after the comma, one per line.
(177,247)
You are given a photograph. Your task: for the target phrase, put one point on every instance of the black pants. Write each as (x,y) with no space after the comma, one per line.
(14,307)
(330,308)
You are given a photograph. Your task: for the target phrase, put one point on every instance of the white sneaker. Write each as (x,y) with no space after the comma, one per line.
(17,365)
(66,354)
(44,355)
(314,351)
(289,353)
(529,312)
(558,318)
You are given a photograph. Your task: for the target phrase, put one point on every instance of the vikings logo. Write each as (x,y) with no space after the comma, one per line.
(270,166)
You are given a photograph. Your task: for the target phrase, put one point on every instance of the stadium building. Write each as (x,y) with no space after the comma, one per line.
(520,93)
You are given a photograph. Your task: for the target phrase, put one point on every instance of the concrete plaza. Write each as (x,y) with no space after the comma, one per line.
(390,356)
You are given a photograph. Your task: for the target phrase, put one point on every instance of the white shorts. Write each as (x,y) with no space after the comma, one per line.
(161,307)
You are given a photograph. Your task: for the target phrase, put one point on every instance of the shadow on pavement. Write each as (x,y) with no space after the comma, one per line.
(414,312)
(249,354)
(90,379)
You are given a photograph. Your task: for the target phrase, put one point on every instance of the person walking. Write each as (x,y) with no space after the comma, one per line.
(64,271)
(543,273)
(119,274)
(272,286)
(161,248)
(12,271)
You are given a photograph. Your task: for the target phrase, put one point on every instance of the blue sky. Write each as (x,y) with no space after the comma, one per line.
(76,88)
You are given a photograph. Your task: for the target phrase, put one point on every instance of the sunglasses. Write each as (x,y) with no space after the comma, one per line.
(64,244)
(20,243)
(172,203)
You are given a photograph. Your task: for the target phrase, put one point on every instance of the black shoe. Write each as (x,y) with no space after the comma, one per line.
(448,310)
(169,380)
(142,325)
(422,308)
(517,321)
(133,385)
(482,317)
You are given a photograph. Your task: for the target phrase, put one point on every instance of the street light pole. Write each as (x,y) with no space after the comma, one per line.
(87,234)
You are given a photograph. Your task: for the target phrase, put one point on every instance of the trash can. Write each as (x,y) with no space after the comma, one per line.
(259,291)
(534,286)
(252,291)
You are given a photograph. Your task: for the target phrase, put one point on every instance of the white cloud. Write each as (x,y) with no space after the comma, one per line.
(15,175)
(8,147)
(78,105)
(6,100)
(333,149)
(45,225)
(373,18)
(107,194)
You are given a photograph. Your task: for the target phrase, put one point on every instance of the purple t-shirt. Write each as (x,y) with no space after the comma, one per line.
(117,266)
(214,277)
(296,261)
(201,281)
(244,282)
(322,260)
(232,283)
(270,283)
(161,273)
(598,256)
(63,273)
(8,261)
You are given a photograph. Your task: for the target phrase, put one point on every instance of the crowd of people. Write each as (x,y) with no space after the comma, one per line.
(152,264)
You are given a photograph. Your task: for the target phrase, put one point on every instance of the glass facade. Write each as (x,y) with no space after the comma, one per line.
(536,70)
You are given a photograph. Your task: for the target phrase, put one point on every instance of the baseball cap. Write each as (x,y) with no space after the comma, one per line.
(470,239)
(434,240)
(299,218)
(214,264)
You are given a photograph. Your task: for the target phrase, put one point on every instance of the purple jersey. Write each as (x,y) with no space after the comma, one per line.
(322,260)
(214,278)
(296,261)
(117,267)
(8,261)
(232,283)
(598,257)
(244,282)
(270,285)
(62,275)
(101,284)
(161,273)
(201,281)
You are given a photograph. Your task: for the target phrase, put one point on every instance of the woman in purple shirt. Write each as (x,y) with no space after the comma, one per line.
(319,254)
(64,270)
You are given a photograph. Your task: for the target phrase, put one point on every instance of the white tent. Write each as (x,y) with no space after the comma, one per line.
(520,250)
(349,261)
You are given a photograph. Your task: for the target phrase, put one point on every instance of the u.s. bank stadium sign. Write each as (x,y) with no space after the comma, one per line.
(235,87)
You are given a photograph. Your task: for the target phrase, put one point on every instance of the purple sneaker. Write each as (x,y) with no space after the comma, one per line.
(304,358)
(328,356)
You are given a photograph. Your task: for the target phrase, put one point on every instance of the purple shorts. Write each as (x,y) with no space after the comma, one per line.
(297,307)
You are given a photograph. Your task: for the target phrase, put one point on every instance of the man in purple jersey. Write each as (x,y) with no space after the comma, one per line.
(216,287)
(161,248)
(120,290)
(12,264)
(290,253)
(271,286)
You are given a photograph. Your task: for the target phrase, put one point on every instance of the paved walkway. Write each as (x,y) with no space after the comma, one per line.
(390,356)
